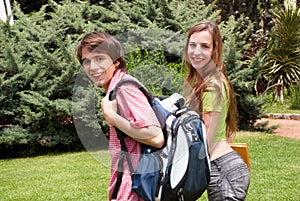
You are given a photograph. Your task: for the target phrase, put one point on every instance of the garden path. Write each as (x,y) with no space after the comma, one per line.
(287,127)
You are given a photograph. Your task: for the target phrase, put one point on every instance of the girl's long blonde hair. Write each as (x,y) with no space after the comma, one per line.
(202,83)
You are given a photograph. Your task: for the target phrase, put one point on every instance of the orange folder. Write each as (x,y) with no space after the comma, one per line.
(242,150)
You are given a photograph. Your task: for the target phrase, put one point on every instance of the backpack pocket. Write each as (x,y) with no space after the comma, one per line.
(198,174)
(146,179)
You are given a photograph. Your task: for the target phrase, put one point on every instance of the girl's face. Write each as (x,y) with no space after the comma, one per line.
(200,49)
(99,67)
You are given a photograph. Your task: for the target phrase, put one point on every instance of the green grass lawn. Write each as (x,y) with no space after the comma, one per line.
(277,107)
(275,167)
(73,176)
(275,173)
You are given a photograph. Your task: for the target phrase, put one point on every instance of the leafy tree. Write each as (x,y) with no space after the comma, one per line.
(295,97)
(282,56)
(160,77)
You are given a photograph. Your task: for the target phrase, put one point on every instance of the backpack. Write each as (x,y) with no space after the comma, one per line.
(180,170)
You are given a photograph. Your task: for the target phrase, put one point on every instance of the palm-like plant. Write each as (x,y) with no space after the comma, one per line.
(282,56)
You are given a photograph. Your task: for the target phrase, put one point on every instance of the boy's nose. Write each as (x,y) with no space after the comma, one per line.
(94,65)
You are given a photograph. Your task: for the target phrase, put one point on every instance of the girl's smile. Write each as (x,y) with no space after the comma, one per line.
(200,49)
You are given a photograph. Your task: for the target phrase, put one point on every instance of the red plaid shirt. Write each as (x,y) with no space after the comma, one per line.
(133,105)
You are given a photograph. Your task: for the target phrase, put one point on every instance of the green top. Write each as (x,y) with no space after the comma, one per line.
(210,103)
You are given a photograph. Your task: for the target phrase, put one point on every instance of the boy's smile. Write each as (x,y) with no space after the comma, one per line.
(98,66)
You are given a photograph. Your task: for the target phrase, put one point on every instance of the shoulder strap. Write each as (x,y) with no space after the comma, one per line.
(124,153)
(121,135)
(113,93)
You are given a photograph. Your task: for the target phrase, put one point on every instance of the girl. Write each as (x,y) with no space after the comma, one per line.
(213,96)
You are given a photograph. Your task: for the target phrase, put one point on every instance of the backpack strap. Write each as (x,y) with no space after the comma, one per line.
(121,135)
(124,153)
(113,93)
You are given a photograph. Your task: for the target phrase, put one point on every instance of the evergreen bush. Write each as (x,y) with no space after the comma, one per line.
(242,70)
(46,100)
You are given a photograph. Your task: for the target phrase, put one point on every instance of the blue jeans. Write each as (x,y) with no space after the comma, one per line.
(229,178)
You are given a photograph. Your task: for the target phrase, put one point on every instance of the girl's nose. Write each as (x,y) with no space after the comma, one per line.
(198,50)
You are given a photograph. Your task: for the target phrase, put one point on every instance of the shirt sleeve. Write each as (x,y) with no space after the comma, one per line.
(210,101)
(134,106)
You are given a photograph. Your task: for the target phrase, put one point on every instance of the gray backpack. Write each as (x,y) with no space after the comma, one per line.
(180,170)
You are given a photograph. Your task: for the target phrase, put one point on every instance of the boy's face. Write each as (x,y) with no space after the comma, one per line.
(99,67)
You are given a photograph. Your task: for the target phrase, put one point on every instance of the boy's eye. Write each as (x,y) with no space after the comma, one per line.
(98,59)
(86,62)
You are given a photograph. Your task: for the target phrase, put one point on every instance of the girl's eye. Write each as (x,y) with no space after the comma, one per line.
(192,45)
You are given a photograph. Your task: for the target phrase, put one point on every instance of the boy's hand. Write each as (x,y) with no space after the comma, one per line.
(109,109)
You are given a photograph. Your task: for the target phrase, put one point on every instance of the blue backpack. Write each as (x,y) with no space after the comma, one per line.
(180,170)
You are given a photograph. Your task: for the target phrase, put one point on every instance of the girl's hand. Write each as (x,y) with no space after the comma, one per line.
(109,109)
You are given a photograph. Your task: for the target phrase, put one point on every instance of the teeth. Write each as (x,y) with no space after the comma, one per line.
(197,59)
(96,75)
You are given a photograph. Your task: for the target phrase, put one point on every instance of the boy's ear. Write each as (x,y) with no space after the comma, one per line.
(117,63)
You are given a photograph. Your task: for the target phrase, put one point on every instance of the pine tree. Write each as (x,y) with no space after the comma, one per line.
(40,72)
(46,100)
(241,70)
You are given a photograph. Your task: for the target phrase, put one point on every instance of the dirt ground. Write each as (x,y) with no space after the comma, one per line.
(287,127)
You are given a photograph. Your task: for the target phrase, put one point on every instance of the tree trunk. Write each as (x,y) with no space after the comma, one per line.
(278,93)
(281,97)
